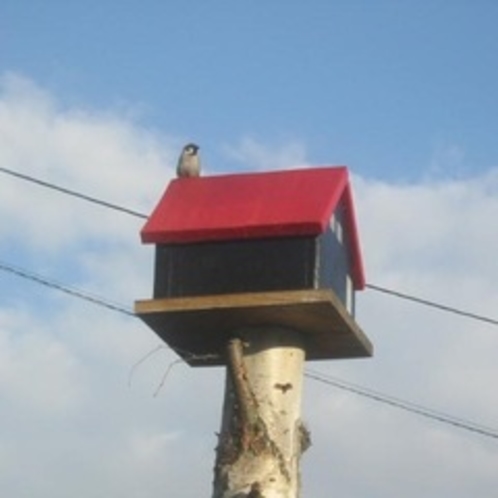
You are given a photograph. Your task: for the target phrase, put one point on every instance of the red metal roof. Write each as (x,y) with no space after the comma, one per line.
(254,205)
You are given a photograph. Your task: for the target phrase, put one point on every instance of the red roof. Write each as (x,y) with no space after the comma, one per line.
(254,205)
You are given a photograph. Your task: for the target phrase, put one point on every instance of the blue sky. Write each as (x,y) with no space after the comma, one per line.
(382,86)
(100,96)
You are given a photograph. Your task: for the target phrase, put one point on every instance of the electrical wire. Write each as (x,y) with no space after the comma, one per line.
(52,284)
(403,404)
(93,299)
(314,375)
(426,302)
(72,193)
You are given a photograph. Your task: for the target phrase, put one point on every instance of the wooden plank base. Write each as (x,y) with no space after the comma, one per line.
(198,328)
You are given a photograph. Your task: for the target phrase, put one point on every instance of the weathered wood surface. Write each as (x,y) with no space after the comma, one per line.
(198,328)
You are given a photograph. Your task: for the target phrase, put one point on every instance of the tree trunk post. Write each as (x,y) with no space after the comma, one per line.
(262,436)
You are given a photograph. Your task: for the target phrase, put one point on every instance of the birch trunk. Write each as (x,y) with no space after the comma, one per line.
(262,436)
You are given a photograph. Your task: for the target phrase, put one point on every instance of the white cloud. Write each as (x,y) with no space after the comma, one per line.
(435,240)
(103,155)
(37,372)
(441,226)
(256,156)
(67,411)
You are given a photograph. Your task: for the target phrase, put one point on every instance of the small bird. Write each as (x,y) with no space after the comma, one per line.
(189,163)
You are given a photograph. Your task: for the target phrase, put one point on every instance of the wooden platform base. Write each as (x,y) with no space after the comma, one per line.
(198,328)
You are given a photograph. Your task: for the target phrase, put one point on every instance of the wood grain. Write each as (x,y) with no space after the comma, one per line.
(198,328)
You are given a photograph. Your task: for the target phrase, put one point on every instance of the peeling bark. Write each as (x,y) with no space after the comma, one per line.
(262,437)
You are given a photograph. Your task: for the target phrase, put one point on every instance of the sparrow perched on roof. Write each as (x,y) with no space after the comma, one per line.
(189,163)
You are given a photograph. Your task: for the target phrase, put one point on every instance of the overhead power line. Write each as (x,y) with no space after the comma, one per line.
(85,296)
(72,193)
(403,404)
(432,304)
(137,214)
(52,284)
(314,375)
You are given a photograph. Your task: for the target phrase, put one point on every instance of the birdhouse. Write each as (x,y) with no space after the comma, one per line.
(243,250)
